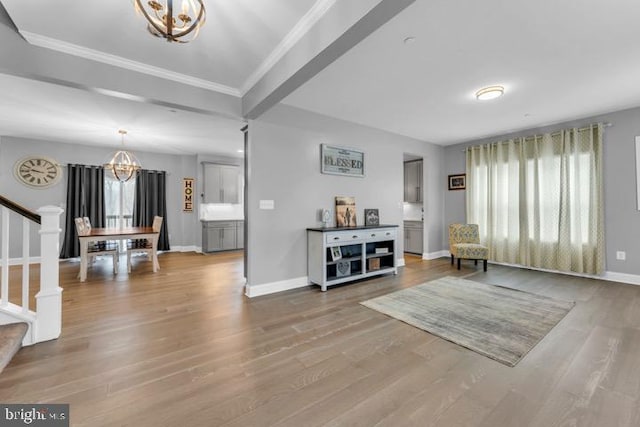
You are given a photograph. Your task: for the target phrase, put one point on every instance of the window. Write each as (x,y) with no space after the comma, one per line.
(118,198)
(538,200)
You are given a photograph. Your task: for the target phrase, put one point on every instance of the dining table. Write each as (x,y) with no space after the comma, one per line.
(116,233)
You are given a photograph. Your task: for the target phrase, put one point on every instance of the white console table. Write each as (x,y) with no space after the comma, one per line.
(339,255)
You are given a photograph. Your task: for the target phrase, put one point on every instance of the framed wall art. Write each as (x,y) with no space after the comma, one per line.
(341,161)
(187,190)
(458,182)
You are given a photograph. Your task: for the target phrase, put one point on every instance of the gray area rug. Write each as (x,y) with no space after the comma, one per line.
(497,322)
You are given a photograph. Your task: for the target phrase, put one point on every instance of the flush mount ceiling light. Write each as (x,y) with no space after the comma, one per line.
(123,164)
(181,27)
(489,92)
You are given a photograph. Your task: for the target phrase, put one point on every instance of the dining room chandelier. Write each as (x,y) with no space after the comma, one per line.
(124,164)
(164,21)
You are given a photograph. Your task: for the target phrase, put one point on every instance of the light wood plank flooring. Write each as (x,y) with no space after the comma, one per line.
(184,347)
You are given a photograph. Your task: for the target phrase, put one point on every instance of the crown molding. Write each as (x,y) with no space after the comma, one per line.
(301,28)
(118,61)
(297,32)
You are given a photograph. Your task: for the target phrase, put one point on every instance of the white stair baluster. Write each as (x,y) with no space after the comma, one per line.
(25,265)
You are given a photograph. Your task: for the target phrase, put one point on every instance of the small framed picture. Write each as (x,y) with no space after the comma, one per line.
(458,182)
(343,268)
(371,217)
(345,211)
(336,253)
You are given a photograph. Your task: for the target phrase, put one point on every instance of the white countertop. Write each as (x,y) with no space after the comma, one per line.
(221,212)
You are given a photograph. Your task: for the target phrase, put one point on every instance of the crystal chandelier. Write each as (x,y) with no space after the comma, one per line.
(123,164)
(163,22)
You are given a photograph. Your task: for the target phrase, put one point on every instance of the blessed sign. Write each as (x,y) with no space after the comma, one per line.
(341,161)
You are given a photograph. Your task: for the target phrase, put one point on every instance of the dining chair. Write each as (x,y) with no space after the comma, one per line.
(143,245)
(94,249)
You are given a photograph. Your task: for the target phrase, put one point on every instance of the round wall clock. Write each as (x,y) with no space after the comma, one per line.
(38,171)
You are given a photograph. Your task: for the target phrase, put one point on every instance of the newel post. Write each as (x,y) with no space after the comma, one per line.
(49,298)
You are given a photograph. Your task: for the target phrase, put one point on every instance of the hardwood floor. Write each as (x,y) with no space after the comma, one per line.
(184,347)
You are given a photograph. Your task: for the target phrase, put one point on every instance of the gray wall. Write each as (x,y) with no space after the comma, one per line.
(183,227)
(622,219)
(284,166)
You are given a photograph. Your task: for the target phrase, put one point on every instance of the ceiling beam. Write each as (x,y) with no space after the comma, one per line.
(345,25)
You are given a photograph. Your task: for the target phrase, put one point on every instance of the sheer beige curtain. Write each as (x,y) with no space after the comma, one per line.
(538,200)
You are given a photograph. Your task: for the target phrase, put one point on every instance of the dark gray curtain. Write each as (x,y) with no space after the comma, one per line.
(85,197)
(151,200)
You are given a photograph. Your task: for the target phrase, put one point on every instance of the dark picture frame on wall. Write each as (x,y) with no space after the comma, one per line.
(458,181)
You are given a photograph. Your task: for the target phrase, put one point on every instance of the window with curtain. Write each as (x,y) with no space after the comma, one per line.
(118,201)
(85,197)
(151,200)
(538,200)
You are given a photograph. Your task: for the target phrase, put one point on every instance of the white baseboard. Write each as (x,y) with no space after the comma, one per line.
(612,276)
(435,255)
(36,259)
(400,262)
(273,287)
(185,249)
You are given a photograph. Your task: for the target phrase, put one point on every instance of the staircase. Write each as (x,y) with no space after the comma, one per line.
(11,337)
(45,321)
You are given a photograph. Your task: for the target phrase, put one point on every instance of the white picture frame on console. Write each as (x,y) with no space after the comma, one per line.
(638,172)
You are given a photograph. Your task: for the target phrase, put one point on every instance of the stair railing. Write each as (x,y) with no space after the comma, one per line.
(45,322)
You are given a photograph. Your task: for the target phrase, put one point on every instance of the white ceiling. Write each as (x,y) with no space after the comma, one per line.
(558,60)
(239,41)
(32,109)
(238,36)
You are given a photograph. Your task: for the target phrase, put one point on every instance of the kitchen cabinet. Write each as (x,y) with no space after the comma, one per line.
(222,235)
(221,183)
(240,234)
(413,240)
(413,181)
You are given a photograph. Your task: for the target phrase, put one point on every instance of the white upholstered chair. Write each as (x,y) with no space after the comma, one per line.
(143,245)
